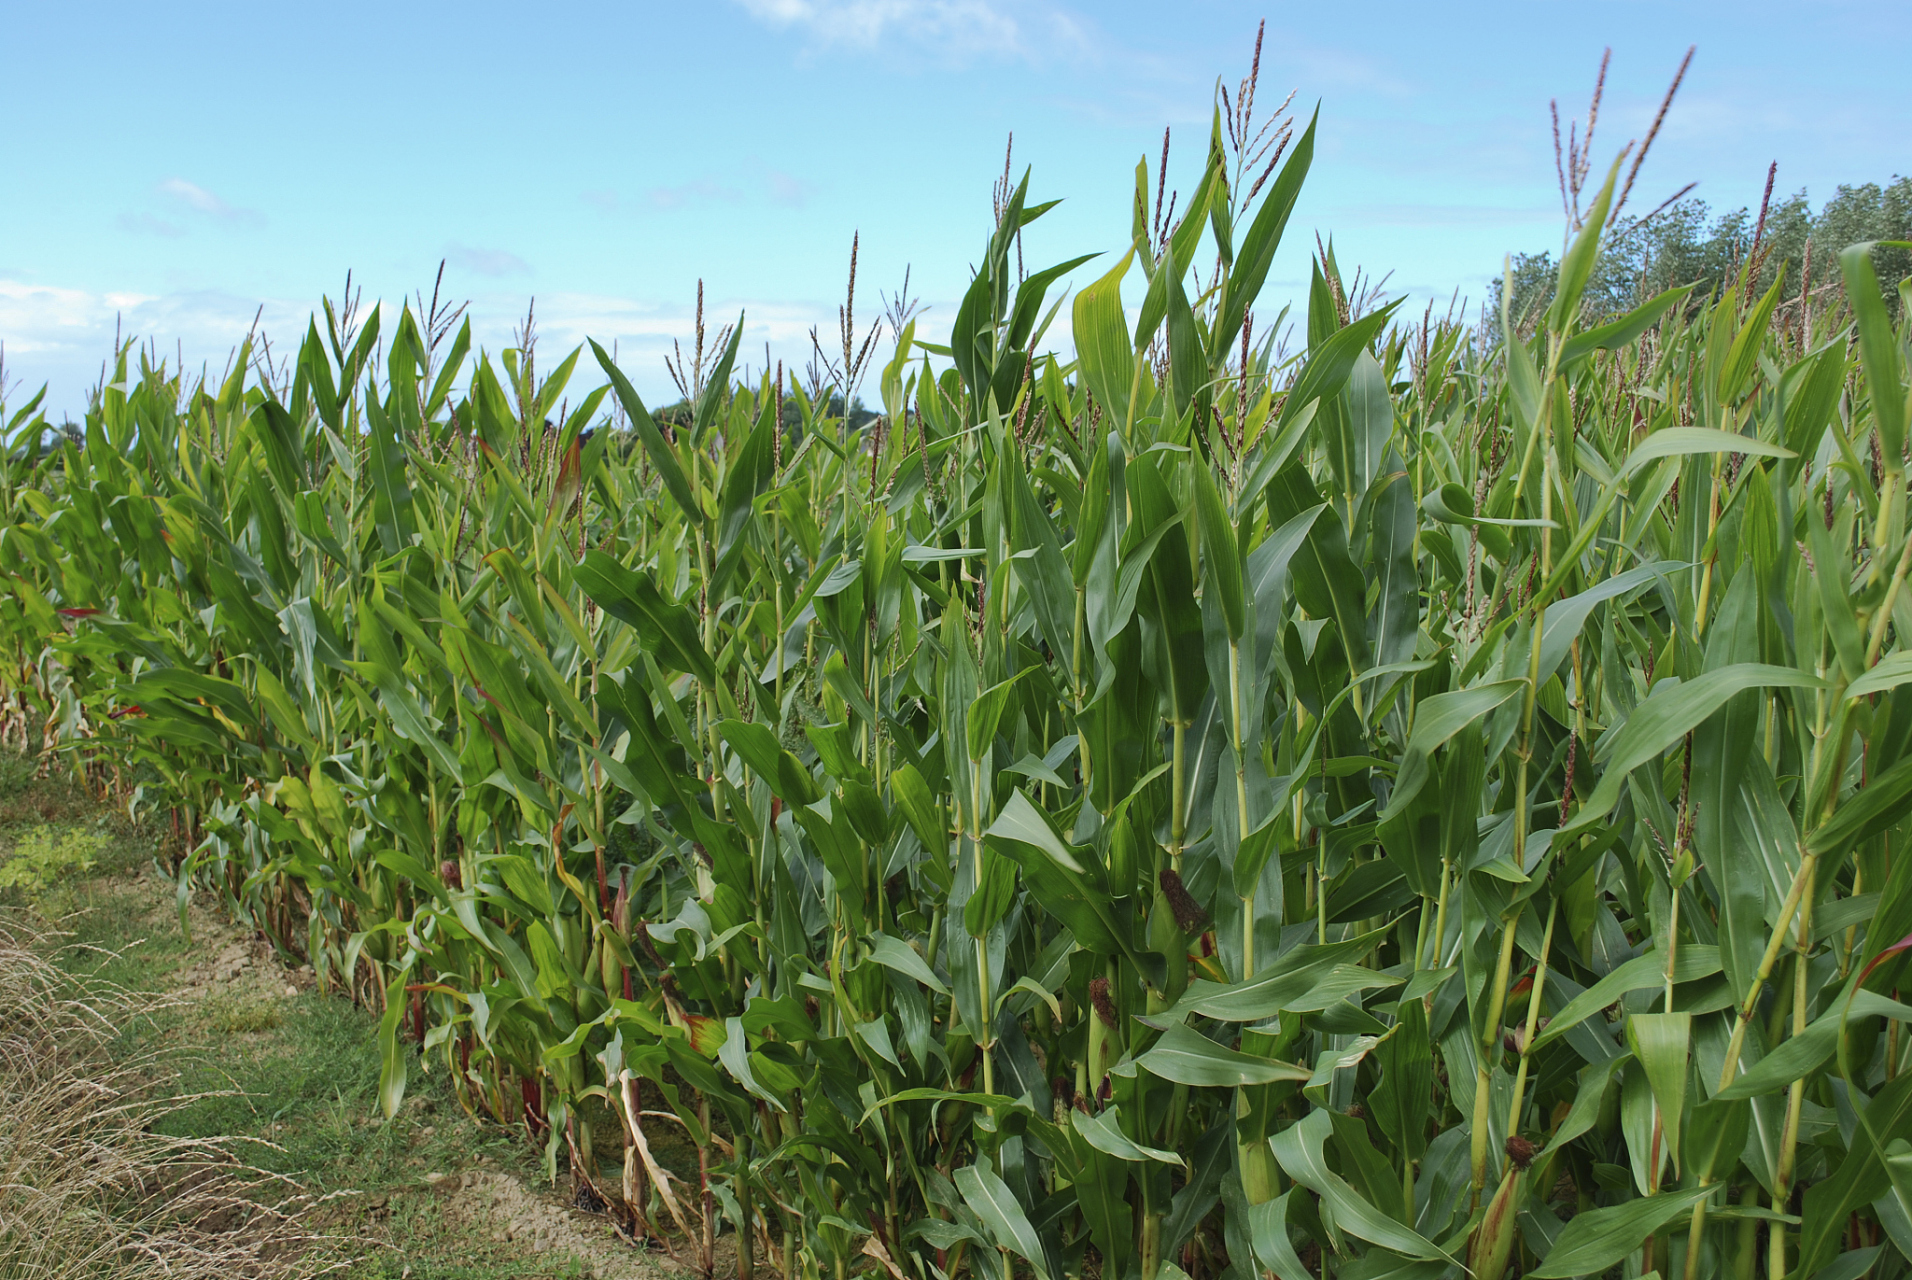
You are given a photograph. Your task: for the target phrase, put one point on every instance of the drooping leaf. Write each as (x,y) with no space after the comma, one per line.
(1299,1149)
(1598,1238)
(1188,1057)
(1668,716)
(991,1199)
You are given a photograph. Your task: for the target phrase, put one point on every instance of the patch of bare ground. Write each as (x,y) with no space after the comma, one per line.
(503,1209)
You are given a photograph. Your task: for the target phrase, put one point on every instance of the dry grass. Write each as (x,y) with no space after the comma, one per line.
(87,1187)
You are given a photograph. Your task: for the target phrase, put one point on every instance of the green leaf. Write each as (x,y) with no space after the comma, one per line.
(1598,1238)
(1813,386)
(1691,962)
(1406,1093)
(1743,356)
(1330,365)
(734,1054)
(836,675)
(1103,348)
(1665,718)
(1892,671)
(1622,332)
(1268,1230)
(391,491)
(1074,891)
(1715,1137)
(668,630)
(1298,1148)
(1040,566)
(1188,1057)
(985,713)
(1101,1132)
(1671,442)
(1256,848)
(1878,349)
(912,794)
(1588,1099)
(1110,611)
(1565,618)
(391,1050)
(717,384)
(751,473)
(1221,555)
(1576,265)
(656,447)
(1187,361)
(942,1235)
(1360,434)
(1876,807)
(781,771)
(993,1202)
(1258,247)
(876,1034)
(1724,781)
(994,893)
(1804,1053)
(894,953)
(1831,572)
(1330,585)
(1276,987)
(395,695)
(1859,1179)
(1659,1041)
(1394,624)
(1435,721)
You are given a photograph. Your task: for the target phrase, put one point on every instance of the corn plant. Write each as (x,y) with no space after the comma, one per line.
(1417,806)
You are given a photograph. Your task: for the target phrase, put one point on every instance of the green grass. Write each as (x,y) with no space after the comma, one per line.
(294,1076)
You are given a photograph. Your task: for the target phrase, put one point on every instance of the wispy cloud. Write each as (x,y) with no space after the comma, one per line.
(146,224)
(59,335)
(952,29)
(39,319)
(696,191)
(487,262)
(191,195)
(1336,70)
(757,184)
(182,205)
(1441,215)
(864,23)
(787,189)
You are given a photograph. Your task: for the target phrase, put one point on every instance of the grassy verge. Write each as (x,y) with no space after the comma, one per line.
(253,1052)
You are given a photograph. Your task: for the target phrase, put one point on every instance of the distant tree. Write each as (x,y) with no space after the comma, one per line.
(1685,244)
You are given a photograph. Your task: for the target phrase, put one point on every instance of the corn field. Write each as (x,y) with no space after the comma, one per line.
(1412,807)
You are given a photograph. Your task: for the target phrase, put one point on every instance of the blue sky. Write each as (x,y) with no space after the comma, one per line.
(174,168)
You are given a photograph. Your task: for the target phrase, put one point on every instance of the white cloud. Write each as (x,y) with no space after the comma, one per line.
(488,262)
(864,23)
(147,224)
(953,29)
(787,189)
(197,198)
(60,336)
(696,191)
(38,319)
(753,183)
